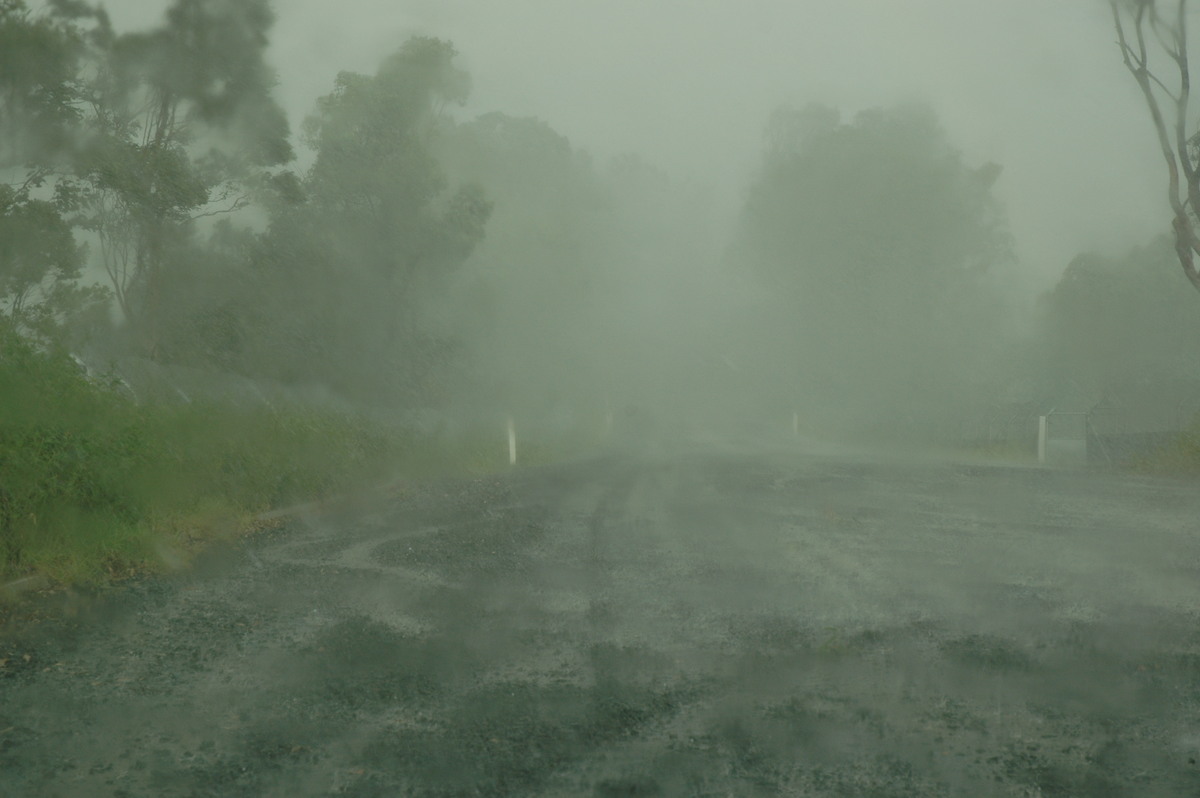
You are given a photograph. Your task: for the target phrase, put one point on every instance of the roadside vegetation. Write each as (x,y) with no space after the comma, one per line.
(94,486)
(1179,458)
(149,220)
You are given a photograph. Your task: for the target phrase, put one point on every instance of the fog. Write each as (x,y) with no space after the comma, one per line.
(784,306)
(627,262)
(1036,87)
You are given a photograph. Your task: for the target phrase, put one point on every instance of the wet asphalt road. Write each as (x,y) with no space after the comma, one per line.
(694,622)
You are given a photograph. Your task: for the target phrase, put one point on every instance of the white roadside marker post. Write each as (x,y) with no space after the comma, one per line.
(512,442)
(1041,439)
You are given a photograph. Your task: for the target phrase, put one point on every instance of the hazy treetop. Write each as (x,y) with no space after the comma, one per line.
(1033,85)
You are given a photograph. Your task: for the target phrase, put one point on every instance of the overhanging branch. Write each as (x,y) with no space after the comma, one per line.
(1183,185)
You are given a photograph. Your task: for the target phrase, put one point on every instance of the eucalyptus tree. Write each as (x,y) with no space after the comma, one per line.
(528,300)
(879,245)
(180,117)
(376,179)
(39,63)
(39,259)
(39,115)
(1153,40)
(374,229)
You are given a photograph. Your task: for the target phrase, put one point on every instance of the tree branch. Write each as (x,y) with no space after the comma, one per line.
(236,205)
(1187,246)
(1180,56)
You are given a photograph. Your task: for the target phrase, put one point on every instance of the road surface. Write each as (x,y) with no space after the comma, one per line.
(694,622)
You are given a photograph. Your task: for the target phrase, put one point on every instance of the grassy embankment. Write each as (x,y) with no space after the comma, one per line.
(1181,458)
(94,487)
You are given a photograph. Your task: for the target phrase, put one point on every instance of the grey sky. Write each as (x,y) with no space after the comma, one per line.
(1035,85)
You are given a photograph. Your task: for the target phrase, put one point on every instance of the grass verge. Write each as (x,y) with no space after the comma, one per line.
(1179,458)
(94,487)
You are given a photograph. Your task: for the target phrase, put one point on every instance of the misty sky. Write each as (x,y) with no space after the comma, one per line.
(1036,85)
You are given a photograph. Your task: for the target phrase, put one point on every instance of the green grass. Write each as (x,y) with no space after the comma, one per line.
(94,487)
(1181,458)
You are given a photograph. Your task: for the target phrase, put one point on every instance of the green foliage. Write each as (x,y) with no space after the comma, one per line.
(376,181)
(885,196)
(92,485)
(133,137)
(37,250)
(183,119)
(544,262)
(154,182)
(356,250)
(38,72)
(147,132)
(1117,326)
(67,448)
(216,299)
(40,261)
(880,240)
(1178,459)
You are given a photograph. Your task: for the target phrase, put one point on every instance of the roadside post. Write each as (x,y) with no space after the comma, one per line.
(512,442)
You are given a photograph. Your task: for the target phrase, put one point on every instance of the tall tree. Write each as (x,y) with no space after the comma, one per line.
(39,258)
(548,248)
(39,114)
(377,175)
(1118,328)
(375,227)
(1147,31)
(39,58)
(876,241)
(182,115)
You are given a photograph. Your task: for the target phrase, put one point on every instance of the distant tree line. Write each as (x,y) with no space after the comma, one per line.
(1117,329)
(151,206)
